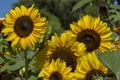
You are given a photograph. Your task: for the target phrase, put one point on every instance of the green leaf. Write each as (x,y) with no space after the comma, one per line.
(92,10)
(54,22)
(80,4)
(10,58)
(1,60)
(12,50)
(5,43)
(14,67)
(18,78)
(32,78)
(30,54)
(98,78)
(114,35)
(111,59)
(113,11)
(115,6)
(49,32)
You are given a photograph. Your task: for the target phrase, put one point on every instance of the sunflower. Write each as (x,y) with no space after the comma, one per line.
(95,34)
(66,48)
(24,27)
(56,70)
(89,67)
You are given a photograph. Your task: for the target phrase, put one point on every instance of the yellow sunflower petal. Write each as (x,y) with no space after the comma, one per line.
(34,14)
(106,36)
(103,28)
(23,42)
(15,41)
(58,40)
(23,10)
(69,42)
(40,24)
(52,66)
(87,21)
(29,43)
(42,19)
(51,44)
(96,23)
(75,28)
(63,39)
(29,10)
(67,70)
(11,36)
(18,11)
(13,13)
(41,74)
(9,19)
(6,30)
(32,40)
(63,66)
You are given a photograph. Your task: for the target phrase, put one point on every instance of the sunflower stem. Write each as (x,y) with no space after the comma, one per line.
(26,66)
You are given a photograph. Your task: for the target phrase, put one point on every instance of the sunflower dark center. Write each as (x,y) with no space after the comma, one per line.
(66,55)
(23,26)
(90,38)
(55,76)
(90,75)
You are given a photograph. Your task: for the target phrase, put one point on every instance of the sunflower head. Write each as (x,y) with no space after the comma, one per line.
(66,48)
(56,70)
(24,27)
(90,67)
(95,34)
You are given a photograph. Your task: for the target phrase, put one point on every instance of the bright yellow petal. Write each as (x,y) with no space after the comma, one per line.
(31,40)
(106,36)
(29,43)
(7,30)
(29,10)
(23,43)
(42,19)
(9,19)
(102,28)
(15,41)
(58,40)
(67,70)
(18,11)
(34,14)
(23,10)
(75,28)
(11,36)
(13,13)
(39,24)
(96,23)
